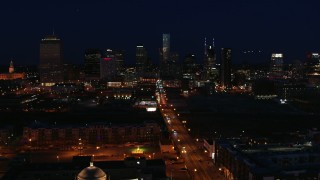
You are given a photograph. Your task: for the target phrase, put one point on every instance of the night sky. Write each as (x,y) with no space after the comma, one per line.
(291,27)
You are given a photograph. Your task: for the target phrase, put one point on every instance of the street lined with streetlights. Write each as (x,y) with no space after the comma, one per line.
(195,161)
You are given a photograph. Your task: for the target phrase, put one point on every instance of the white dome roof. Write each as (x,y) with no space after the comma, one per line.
(92,173)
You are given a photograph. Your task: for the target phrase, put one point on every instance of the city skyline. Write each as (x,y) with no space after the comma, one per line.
(137,89)
(270,26)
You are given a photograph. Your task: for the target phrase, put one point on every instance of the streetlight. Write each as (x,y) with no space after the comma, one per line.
(58,158)
(153,155)
(30,142)
(80,146)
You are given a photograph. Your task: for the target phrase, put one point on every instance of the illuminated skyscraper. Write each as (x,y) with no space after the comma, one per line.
(276,66)
(313,63)
(168,64)
(51,60)
(210,61)
(312,69)
(92,58)
(226,68)
(165,48)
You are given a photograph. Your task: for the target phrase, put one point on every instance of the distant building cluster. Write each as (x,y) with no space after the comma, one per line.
(213,76)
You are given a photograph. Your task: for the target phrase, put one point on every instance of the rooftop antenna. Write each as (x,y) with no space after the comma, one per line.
(53,31)
(205,46)
(212,42)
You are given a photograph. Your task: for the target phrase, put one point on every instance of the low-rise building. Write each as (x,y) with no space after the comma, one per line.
(98,133)
(271,161)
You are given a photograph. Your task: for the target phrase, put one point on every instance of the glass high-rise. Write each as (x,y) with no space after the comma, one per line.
(165,48)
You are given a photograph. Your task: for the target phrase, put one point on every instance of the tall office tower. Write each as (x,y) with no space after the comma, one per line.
(117,57)
(209,61)
(141,60)
(276,66)
(312,69)
(312,63)
(174,70)
(189,65)
(108,65)
(92,58)
(51,60)
(225,68)
(168,66)
(119,61)
(165,48)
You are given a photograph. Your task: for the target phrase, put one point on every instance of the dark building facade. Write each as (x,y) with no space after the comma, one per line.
(276,161)
(112,64)
(119,61)
(51,60)
(226,67)
(108,65)
(92,58)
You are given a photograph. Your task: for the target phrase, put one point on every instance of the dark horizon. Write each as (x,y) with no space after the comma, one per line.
(267,25)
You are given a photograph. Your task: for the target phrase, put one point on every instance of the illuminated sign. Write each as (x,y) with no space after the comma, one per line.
(151,109)
(277,55)
(315,55)
(106,59)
